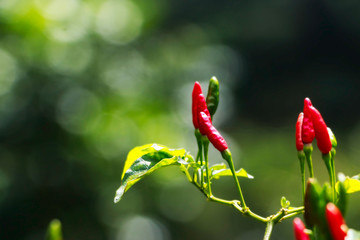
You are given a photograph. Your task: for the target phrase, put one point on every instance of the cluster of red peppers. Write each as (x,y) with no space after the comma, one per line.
(202,116)
(203,111)
(335,220)
(324,207)
(310,125)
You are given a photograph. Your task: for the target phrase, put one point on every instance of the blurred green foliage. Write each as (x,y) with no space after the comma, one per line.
(83,82)
(54,231)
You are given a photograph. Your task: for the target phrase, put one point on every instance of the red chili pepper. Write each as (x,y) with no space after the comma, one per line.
(336,222)
(321,132)
(298,137)
(308,133)
(195,93)
(299,230)
(202,107)
(210,131)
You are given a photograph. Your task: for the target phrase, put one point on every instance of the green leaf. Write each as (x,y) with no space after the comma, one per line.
(142,161)
(284,203)
(342,196)
(351,184)
(220,170)
(217,167)
(54,230)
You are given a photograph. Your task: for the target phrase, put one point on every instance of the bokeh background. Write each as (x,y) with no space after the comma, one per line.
(82,82)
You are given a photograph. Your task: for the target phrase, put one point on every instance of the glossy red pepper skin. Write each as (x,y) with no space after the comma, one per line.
(195,94)
(298,132)
(202,107)
(336,222)
(321,131)
(212,134)
(308,133)
(299,230)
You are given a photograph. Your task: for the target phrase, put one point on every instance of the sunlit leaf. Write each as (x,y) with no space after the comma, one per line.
(351,184)
(217,167)
(284,202)
(144,160)
(216,174)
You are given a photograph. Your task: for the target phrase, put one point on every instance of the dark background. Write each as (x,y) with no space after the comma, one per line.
(83,82)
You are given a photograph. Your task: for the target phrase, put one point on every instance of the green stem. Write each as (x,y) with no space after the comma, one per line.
(198,159)
(206,151)
(188,175)
(295,210)
(222,201)
(308,152)
(199,143)
(302,157)
(332,162)
(253,215)
(232,168)
(327,159)
(290,215)
(278,217)
(268,230)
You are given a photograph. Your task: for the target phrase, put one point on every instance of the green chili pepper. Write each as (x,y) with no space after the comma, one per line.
(316,198)
(212,98)
(311,202)
(342,199)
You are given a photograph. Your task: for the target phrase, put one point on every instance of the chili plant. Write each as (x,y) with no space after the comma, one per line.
(323,205)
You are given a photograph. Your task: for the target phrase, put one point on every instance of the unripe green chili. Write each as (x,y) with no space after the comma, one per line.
(212,98)
(315,201)
(311,201)
(342,199)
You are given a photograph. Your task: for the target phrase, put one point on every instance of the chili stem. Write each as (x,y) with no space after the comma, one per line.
(206,151)
(268,230)
(308,152)
(327,159)
(302,169)
(332,162)
(232,168)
